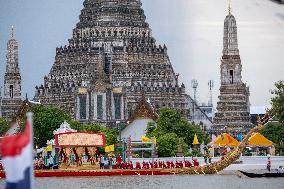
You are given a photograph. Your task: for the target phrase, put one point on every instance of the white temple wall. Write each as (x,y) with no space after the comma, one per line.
(136,129)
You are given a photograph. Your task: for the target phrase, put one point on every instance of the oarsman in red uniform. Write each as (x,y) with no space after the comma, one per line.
(188,164)
(143,165)
(172,165)
(180,164)
(124,165)
(156,164)
(195,163)
(138,166)
(119,161)
(147,165)
(130,165)
(177,164)
(164,165)
(168,164)
(160,164)
(151,165)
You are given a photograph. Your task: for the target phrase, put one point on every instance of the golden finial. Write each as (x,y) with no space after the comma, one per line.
(229,8)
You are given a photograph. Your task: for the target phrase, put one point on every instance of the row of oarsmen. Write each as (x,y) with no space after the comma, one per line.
(157,165)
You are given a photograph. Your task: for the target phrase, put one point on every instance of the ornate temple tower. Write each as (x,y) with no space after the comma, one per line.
(113,40)
(233,107)
(12,99)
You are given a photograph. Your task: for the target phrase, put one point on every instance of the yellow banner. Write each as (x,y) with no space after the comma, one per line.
(109,148)
(48,148)
(146,139)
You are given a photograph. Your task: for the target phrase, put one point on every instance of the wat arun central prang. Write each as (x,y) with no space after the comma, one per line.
(233,108)
(112,60)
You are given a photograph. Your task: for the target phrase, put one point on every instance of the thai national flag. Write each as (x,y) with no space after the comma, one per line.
(17,159)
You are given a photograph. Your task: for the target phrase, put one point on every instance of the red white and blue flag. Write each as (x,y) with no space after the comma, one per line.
(17,159)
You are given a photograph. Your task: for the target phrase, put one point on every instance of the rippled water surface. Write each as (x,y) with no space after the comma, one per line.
(159,182)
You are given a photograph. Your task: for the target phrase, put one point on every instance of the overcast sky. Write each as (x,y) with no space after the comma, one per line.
(191,29)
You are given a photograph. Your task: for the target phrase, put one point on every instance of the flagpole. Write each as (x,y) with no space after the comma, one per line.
(30,120)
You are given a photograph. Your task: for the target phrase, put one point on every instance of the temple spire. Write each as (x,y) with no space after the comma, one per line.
(233,105)
(12,83)
(230,40)
(12,33)
(229,7)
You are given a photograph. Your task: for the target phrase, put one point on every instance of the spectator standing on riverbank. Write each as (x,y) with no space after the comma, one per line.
(205,157)
(268,164)
(102,162)
(50,162)
(209,156)
(110,162)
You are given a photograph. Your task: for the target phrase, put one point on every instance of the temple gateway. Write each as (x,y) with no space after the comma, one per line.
(112,57)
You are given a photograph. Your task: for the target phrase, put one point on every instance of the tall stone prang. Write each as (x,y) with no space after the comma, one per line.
(233,107)
(111,59)
(12,98)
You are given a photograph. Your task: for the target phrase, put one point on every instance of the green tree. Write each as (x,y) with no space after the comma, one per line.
(173,130)
(171,121)
(46,120)
(278,101)
(167,145)
(206,138)
(4,126)
(184,146)
(76,125)
(151,127)
(275,133)
(95,128)
(111,136)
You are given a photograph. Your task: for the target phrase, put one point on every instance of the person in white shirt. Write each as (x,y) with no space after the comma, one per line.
(102,162)
(50,162)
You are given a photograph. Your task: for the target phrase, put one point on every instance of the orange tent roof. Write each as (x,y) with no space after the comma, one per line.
(225,140)
(258,139)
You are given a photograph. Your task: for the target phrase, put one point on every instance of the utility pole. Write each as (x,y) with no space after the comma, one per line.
(119,130)
(211,86)
(194,85)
